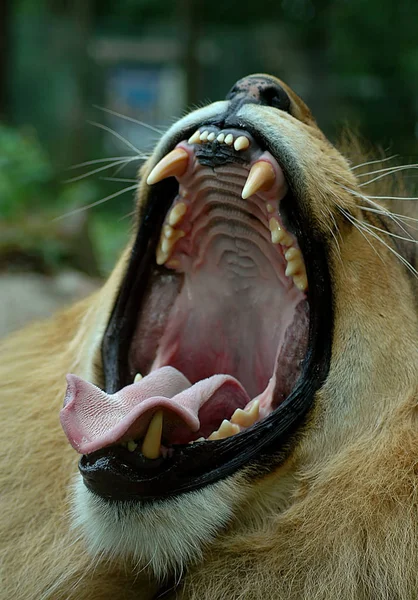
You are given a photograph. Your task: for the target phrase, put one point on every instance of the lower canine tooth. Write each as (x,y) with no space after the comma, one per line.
(173,164)
(152,440)
(260,179)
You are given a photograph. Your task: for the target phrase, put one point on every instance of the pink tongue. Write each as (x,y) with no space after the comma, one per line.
(92,419)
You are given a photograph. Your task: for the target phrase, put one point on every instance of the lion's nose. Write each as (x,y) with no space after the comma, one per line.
(258,89)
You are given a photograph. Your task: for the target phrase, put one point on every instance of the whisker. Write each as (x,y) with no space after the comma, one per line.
(400,237)
(101,201)
(114,164)
(120,179)
(394,197)
(116,114)
(359,229)
(383,210)
(102,160)
(116,134)
(362,226)
(394,170)
(372,162)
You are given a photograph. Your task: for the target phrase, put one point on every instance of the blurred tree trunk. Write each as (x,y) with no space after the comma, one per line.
(5,16)
(189,26)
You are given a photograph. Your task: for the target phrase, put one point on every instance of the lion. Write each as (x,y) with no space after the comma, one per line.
(241,394)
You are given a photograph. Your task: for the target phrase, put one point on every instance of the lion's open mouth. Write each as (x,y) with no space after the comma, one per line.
(220,325)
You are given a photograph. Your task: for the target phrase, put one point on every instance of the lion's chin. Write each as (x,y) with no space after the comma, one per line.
(163,537)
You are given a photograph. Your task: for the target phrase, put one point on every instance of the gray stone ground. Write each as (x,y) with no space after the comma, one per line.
(26,297)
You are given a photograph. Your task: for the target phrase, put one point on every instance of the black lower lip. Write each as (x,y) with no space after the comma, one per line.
(114,474)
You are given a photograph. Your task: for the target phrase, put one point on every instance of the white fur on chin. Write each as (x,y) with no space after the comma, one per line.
(166,535)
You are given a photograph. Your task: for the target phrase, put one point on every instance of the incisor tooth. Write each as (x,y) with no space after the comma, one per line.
(225,430)
(241,143)
(221,138)
(131,445)
(211,137)
(138,377)
(173,164)
(245,418)
(260,178)
(152,440)
(229,139)
(177,213)
(204,136)
(195,139)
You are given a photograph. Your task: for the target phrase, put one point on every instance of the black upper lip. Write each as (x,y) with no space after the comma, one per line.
(116,474)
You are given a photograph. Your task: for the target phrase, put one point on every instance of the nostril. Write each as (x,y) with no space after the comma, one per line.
(276,97)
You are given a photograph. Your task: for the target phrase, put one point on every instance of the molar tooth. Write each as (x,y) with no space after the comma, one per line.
(161,256)
(195,139)
(138,377)
(166,245)
(204,136)
(245,418)
(225,430)
(211,137)
(221,138)
(270,208)
(241,143)
(292,253)
(293,267)
(229,139)
(260,179)
(174,164)
(131,445)
(301,281)
(152,440)
(177,213)
(168,231)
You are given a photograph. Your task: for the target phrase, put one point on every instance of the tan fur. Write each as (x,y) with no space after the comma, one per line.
(338,520)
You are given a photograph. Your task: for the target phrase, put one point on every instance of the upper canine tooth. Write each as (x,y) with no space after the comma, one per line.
(173,164)
(152,440)
(241,143)
(245,418)
(229,139)
(177,213)
(221,137)
(260,178)
(195,139)
(204,136)
(211,137)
